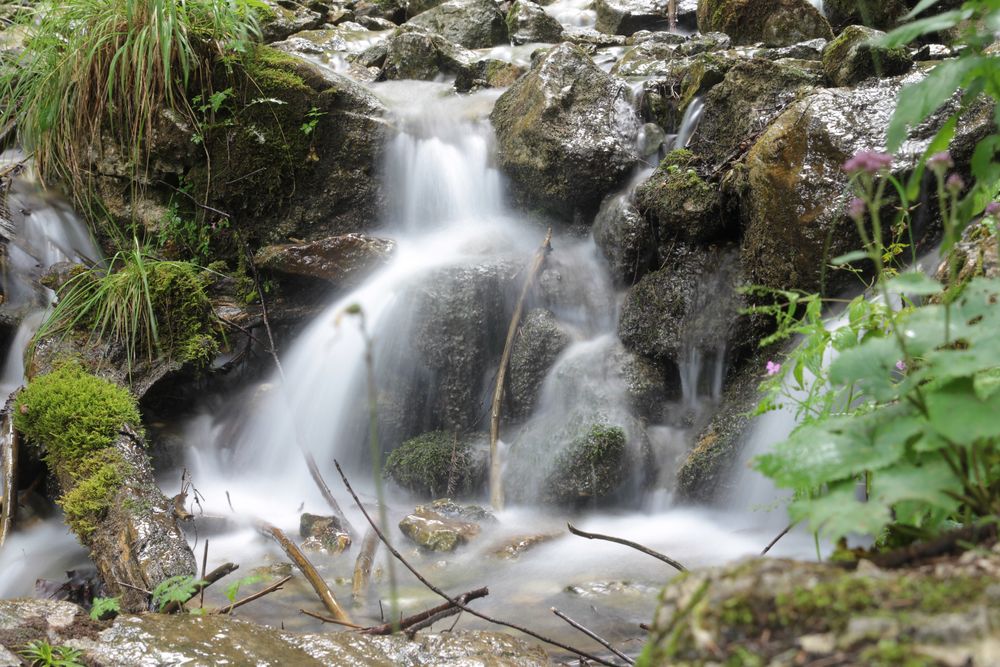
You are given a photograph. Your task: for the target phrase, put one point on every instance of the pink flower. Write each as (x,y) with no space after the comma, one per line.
(955,183)
(870,162)
(856,208)
(901,366)
(772,368)
(993,209)
(940,162)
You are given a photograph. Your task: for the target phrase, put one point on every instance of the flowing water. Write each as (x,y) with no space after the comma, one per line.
(448,214)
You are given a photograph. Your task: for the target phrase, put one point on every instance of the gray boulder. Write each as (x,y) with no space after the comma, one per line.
(625,238)
(282,19)
(773,22)
(624,17)
(539,341)
(852,57)
(421,55)
(474,24)
(881,15)
(528,22)
(343,260)
(565,133)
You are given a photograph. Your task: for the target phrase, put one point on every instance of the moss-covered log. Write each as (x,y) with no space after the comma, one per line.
(88,431)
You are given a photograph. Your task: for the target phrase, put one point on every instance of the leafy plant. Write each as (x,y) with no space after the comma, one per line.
(104,608)
(312,120)
(188,233)
(107,68)
(233,589)
(179,589)
(40,653)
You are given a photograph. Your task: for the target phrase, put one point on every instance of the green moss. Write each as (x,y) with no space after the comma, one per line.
(186,325)
(889,653)
(424,465)
(97,480)
(71,413)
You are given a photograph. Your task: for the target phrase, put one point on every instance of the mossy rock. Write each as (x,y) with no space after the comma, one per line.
(590,469)
(437,464)
(527,22)
(853,57)
(72,413)
(878,14)
(754,612)
(680,203)
(773,22)
(474,24)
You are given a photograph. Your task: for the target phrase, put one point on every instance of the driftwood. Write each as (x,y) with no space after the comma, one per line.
(308,571)
(310,460)
(771,544)
(453,601)
(593,635)
(276,586)
(628,543)
(496,481)
(207,580)
(363,567)
(433,615)
(9,445)
(327,619)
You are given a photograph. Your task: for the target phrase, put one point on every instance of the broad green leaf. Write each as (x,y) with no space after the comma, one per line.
(847,258)
(914,282)
(839,512)
(958,414)
(986,383)
(919,100)
(871,365)
(927,483)
(906,33)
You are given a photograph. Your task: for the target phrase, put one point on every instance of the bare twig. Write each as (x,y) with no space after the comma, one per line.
(204,568)
(256,596)
(223,570)
(410,621)
(363,567)
(8,500)
(593,635)
(635,545)
(327,619)
(672,15)
(775,540)
(453,601)
(496,481)
(308,570)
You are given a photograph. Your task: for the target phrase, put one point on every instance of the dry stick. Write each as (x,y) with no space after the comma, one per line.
(672,15)
(8,502)
(312,576)
(635,545)
(363,568)
(496,482)
(204,567)
(310,461)
(406,623)
(327,619)
(256,596)
(453,601)
(780,535)
(223,570)
(593,635)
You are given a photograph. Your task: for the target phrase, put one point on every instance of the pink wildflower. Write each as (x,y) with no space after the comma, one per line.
(870,162)
(772,368)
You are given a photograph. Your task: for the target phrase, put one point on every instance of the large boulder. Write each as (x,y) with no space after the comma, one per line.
(795,192)
(416,54)
(852,57)
(751,94)
(565,133)
(475,24)
(773,22)
(439,464)
(343,260)
(528,22)
(626,239)
(679,203)
(881,15)
(624,17)
(539,341)
(590,469)
(279,20)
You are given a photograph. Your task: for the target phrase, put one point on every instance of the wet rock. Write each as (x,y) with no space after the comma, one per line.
(591,468)
(475,24)
(624,17)
(539,341)
(687,305)
(773,22)
(767,608)
(416,54)
(343,260)
(677,81)
(608,589)
(881,15)
(514,547)
(61,273)
(282,19)
(647,58)
(644,384)
(679,203)
(808,50)
(625,237)
(795,193)
(443,526)
(323,533)
(528,22)
(565,133)
(439,463)
(157,639)
(588,38)
(852,58)
(391,11)
(488,73)
(737,109)
(976,254)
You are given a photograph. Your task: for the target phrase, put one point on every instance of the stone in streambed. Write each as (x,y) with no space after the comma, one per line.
(323,534)
(443,525)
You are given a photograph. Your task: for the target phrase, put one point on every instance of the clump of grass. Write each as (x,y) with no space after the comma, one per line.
(148,307)
(94,70)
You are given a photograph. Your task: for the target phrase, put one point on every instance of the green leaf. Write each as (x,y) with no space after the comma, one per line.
(871,365)
(906,33)
(986,383)
(958,414)
(921,7)
(928,483)
(914,282)
(847,258)
(839,512)
(919,100)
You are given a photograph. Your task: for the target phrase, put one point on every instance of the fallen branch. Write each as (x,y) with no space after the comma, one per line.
(308,571)
(635,545)
(310,461)
(946,544)
(256,596)
(435,613)
(593,635)
(363,568)
(453,601)
(327,619)
(223,570)
(672,15)
(9,446)
(780,535)
(496,481)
